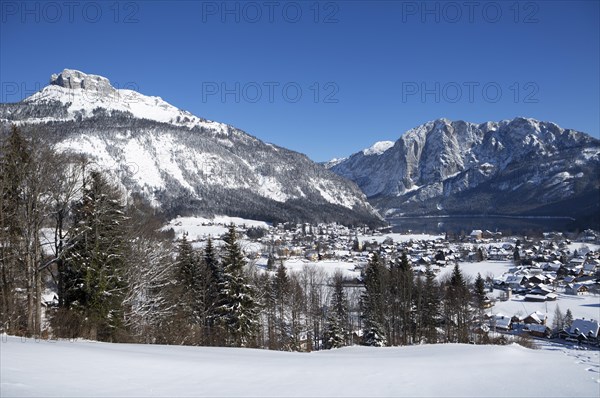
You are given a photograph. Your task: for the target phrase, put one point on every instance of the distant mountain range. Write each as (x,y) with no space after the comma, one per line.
(512,167)
(181,163)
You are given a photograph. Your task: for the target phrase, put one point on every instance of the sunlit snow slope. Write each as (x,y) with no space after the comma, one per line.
(83,369)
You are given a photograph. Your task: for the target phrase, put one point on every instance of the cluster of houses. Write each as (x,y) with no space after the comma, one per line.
(542,267)
(546,269)
(582,331)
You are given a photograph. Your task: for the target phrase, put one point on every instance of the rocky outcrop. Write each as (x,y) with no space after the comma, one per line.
(74,79)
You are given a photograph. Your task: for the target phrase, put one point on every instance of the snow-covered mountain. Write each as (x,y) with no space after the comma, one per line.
(181,163)
(520,166)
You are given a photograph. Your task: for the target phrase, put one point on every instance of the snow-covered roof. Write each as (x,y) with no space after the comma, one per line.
(536,316)
(584,326)
(536,328)
(502,321)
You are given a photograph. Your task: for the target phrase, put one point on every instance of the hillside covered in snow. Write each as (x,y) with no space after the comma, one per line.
(181,163)
(512,167)
(85,369)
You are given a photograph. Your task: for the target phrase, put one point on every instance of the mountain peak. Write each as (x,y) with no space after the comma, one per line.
(378,148)
(74,79)
(510,166)
(82,94)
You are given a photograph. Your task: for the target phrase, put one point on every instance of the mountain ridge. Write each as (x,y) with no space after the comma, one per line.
(512,167)
(184,164)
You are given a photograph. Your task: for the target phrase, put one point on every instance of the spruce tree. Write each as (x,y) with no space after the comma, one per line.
(95,271)
(215,276)
(281,293)
(431,306)
(479,295)
(479,298)
(336,334)
(187,267)
(237,309)
(401,301)
(194,284)
(457,307)
(568,318)
(373,303)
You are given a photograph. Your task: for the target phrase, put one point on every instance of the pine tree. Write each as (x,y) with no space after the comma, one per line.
(457,308)
(373,303)
(212,261)
(194,285)
(215,278)
(297,312)
(431,307)
(95,271)
(269,312)
(568,318)
(238,308)
(479,298)
(401,290)
(336,334)
(417,310)
(187,275)
(479,295)
(281,292)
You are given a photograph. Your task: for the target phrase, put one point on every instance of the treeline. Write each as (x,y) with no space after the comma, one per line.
(65,228)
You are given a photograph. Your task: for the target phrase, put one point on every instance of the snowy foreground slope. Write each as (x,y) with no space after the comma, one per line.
(30,368)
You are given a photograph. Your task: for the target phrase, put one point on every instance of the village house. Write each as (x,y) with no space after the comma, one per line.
(501,322)
(537,330)
(583,330)
(535,318)
(576,289)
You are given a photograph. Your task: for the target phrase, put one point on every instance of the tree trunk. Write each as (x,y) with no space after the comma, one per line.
(38,293)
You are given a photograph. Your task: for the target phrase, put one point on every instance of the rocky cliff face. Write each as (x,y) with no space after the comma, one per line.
(74,79)
(519,166)
(181,163)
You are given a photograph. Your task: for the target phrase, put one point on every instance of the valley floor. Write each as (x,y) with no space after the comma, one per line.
(83,369)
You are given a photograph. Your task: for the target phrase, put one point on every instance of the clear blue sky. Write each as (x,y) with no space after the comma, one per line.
(368,71)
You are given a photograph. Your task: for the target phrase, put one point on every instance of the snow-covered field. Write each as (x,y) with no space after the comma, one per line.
(587,306)
(471,270)
(329,267)
(199,227)
(81,369)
